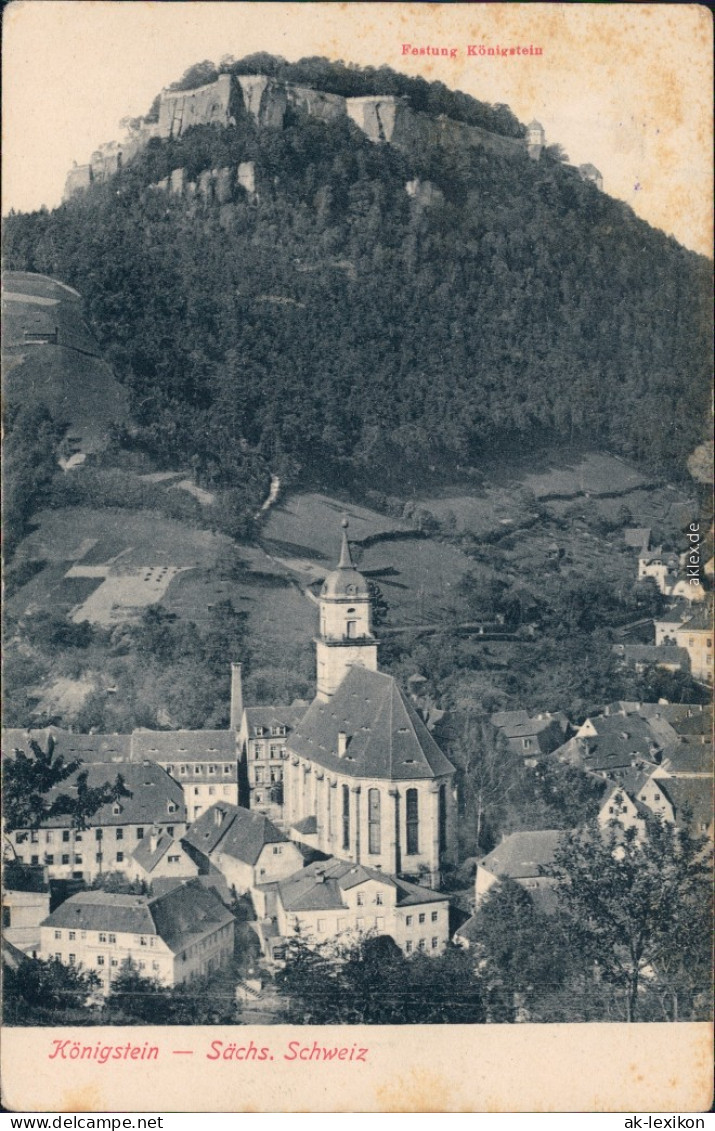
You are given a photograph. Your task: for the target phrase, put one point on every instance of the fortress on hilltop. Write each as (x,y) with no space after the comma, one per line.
(383,118)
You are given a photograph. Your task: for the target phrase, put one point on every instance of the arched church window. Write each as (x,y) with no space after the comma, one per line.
(442,818)
(351,629)
(346,817)
(412,822)
(373,821)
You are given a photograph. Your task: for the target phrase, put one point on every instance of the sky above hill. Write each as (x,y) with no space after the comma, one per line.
(626,87)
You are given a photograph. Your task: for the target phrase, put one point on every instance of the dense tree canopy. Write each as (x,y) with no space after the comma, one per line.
(31,783)
(371,982)
(338,326)
(638,907)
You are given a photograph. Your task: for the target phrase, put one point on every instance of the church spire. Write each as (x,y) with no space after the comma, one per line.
(346,561)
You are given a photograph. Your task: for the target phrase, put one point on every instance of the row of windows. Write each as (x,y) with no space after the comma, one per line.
(185,770)
(66,835)
(274,731)
(72,960)
(102,936)
(66,858)
(421,945)
(275,752)
(343,924)
(212,790)
(361,898)
(421,918)
(275,776)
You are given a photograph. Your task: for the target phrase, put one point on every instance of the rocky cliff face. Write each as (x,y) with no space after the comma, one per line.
(385,119)
(213,104)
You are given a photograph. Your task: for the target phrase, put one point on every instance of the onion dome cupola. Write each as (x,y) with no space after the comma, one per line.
(345,637)
(345,583)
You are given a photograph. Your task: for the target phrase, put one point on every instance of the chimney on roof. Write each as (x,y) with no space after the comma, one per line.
(236,697)
(153,839)
(343,740)
(320,876)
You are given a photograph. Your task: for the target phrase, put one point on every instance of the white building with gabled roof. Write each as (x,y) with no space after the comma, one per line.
(184,933)
(245,847)
(333,899)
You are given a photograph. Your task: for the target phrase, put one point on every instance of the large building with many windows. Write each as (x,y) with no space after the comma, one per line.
(184,933)
(153,802)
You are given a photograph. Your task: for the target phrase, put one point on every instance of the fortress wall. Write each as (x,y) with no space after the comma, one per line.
(206,105)
(383,118)
(318,103)
(264,99)
(78,178)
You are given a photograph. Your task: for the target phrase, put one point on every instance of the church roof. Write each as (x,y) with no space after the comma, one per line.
(345,582)
(386,737)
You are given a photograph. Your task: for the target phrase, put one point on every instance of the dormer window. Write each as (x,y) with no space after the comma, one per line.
(260,731)
(116,809)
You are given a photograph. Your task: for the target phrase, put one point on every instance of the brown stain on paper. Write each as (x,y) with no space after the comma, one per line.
(85,1099)
(419,1092)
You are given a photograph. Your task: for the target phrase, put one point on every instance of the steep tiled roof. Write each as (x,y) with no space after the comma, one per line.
(689,758)
(275,716)
(521,855)
(633,780)
(179,916)
(695,794)
(684,718)
(240,833)
(308,826)
(151,792)
(102,911)
(184,745)
(148,857)
(386,737)
(155,745)
(509,718)
(409,895)
(622,794)
(619,741)
(187,912)
(87,747)
(700,621)
(320,886)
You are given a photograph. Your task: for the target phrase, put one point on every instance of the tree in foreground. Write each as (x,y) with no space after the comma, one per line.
(40,992)
(527,969)
(30,789)
(371,982)
(137,1000)
(637,908)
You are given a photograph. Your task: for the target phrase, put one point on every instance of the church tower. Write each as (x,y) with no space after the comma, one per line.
(345,637)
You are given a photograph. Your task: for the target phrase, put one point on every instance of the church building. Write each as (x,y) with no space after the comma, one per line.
(361,769)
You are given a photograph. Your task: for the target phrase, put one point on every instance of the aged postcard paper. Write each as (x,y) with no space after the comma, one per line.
(357,740)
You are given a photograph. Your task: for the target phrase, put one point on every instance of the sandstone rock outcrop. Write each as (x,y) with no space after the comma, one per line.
(385,119)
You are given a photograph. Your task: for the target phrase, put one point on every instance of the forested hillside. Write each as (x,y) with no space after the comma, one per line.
(336,324)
